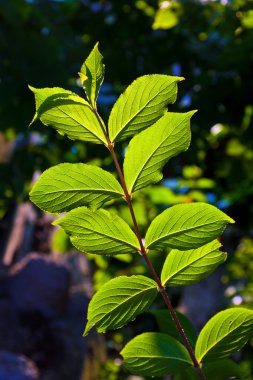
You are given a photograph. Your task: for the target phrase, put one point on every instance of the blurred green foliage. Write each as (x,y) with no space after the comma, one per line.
(240,268)
(210,44)
(207,42)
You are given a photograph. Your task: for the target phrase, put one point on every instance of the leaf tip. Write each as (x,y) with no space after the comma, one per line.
(33,89)
(230,220)
(35,117)
(57,222)
(31,193)
(87,329)
(82,77)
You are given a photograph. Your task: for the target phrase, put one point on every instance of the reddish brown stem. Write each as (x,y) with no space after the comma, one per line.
(143,252)
(174,317)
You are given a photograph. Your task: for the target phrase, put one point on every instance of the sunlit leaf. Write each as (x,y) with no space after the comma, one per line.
(119,301)
(155,354)
(186,226)
(68,113)
(92,74)
(151,149)
(188,267)
(98,232)
(224,334)
(141,104)
(66,186)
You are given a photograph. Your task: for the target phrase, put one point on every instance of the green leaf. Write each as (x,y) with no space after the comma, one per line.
(98,232)
(68,113)
(167,18)
(188,374)
(92,74)
(188,267)
(142,103)
(66,186)
(224,334)
(224,369)
(186,226)
(151,149)
(167,325)
(155,354)
(217,370)
(119,301)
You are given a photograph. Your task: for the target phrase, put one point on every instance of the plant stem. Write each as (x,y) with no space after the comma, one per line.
(143,252)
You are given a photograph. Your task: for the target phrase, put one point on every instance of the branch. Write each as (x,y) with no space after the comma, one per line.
(143,252)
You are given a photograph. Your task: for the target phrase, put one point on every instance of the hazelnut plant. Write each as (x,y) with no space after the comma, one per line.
(189,231)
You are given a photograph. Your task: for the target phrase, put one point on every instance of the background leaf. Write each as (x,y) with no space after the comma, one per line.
(68,113)
(186,226)
(188,267)
(151,149)
(217,370)
(188,374)
(224,369)
(142,103)
(224,334)
(155,354)
(92,74)
(98,232)
(119,301)
(167,325)
(66,186)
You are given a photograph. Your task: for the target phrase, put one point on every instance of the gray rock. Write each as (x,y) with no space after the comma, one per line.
(39,284)
(17,367)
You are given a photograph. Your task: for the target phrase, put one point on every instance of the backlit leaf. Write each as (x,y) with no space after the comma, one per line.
(151,149)
(186,226)
(224,334)
(92,74)
(68,113)
(141,104)
(98,232)
(188,267)
(119,301)
(66,186)
(155,354)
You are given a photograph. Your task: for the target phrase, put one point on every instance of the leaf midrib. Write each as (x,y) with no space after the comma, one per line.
(77,122)
(190,263)
(150,156)
(83,191)
(129,299)
(103,234)
(159,357)
(181,231)
(136,114)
